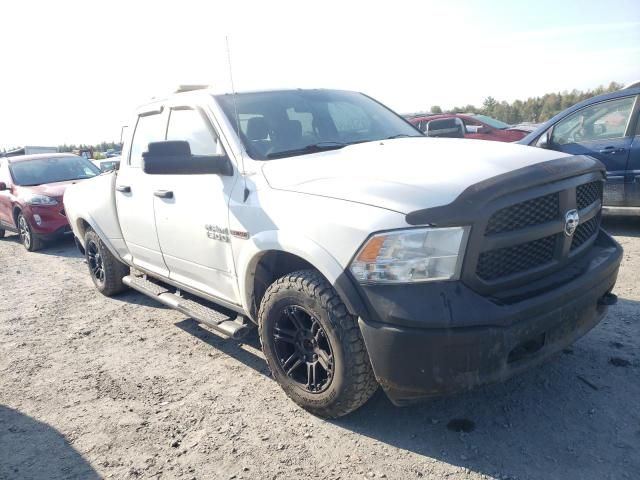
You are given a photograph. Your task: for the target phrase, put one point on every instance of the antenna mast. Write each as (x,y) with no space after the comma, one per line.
(235,107)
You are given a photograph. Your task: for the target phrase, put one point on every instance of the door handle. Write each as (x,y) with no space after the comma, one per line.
(612,150)
(163,193)
(123,188)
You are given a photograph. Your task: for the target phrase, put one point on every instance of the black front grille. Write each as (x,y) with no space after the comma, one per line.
(585,231)
(588,193)
(531,212)
(528,236)
(518,258)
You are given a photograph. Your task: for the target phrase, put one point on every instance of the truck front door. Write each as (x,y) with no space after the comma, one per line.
(135,199)
(192,219)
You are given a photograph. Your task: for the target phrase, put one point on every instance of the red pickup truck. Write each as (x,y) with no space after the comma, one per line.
(468,125)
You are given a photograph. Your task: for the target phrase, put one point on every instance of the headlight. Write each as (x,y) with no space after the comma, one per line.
(415,255)
(41,200)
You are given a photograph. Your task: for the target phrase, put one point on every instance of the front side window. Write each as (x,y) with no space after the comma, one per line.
(51,170)
(602,121)
(190,125)
(150,128)
(288,123)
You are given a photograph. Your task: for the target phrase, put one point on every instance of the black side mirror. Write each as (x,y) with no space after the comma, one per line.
(174,158)
(545,140)
(3,187)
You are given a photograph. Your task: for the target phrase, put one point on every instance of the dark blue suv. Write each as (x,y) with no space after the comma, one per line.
(605,127)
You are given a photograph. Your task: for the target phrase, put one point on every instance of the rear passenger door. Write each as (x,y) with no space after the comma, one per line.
(134,195)
(193,220)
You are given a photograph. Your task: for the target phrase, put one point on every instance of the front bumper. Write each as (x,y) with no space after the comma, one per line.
(53,223)
(440,338)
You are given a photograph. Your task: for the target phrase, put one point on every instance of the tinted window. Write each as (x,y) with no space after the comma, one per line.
(150,128)
(51,170)
(492,122)
(287,123)
(191,126)
(602,121)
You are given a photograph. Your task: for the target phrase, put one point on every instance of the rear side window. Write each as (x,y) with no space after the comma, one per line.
(150,128)
(190,125)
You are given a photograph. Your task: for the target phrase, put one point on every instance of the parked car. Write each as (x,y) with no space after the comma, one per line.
(107,165)
(328,221)
(473,125)
(31,191)
(605,127)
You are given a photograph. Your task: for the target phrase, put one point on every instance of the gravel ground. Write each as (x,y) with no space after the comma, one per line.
(92,387)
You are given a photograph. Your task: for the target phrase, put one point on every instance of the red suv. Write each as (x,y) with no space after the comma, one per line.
(31,190)
(467,125)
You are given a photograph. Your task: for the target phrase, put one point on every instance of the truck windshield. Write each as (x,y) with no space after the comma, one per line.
(51,170)
(296,122)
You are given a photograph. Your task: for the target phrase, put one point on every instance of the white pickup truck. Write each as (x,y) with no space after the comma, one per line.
(367,254)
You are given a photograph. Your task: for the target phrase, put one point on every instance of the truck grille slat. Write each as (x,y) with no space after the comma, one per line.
(509,260)
(532,212)
(585,231)
(587,194)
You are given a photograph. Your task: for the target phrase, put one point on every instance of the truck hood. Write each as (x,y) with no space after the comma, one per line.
(404,174)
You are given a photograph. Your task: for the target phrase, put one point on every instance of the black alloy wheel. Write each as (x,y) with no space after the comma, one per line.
(303,349)
(96,264)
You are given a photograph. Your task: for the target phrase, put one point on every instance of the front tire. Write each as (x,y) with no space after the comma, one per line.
(29,240)
(313,345)
(105,269)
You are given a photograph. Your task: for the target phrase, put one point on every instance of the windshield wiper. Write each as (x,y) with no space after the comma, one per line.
(314,147)
(402,135)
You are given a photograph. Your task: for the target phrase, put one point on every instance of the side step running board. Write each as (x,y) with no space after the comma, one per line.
(232,327)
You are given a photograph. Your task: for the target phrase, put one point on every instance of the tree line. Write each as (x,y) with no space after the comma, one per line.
(533,109)
(98,147)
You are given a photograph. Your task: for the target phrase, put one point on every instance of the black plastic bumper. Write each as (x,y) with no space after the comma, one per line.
(439,338)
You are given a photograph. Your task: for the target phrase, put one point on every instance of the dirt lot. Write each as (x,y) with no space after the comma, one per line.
(94,387)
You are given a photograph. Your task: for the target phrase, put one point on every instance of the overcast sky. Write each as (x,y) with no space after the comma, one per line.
(73,71)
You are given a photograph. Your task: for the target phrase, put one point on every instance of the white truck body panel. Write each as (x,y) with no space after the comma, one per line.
(320,207)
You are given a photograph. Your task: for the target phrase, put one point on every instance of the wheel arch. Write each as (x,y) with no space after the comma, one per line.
(274,254)
(84,223)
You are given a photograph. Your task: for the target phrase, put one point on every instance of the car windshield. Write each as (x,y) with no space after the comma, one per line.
(492,122)
(295,122)
(51,170)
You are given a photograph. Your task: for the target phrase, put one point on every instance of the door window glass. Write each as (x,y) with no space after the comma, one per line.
(191,126)
(150,128)
(601,121)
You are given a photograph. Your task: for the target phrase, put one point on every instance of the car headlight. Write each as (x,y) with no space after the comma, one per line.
(41,200)
(414,255)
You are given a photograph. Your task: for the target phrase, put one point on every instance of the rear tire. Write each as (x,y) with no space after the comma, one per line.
(105,269)
(29,240)
(313,345)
